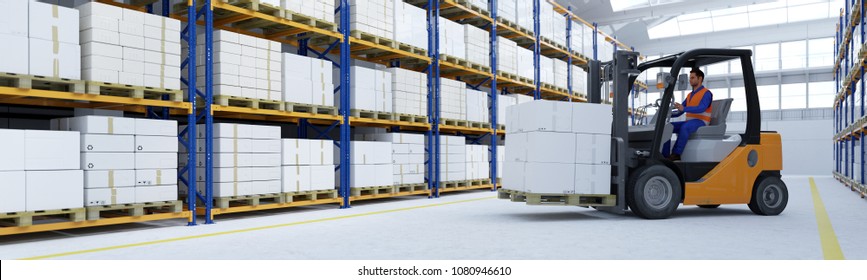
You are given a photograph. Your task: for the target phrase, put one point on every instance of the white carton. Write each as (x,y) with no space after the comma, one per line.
(14,54)
(593,149)
(107,161)
(226,145)
(322,177)
(109,196)
(92,8)
(599,113)
(62,60)
(156,177)
(295,151)
(224,175)
(51,150)
(221,160)
(265,146)
(321,152)
(51,190)
(108,143)
(132,41)
(13,15)
(156,193)
(264,132)
(227,130)
(230,189)
(543,115)
(12,151)
(130,78)
(592,179)
(550,147)
(264,173)
(156,144)
(550,178)
(296,178)
(51,22)
(108,178)
(101,125)
(13,190)
(101,49)
(156,127)
(102,62)
(100,35)
(156,160)
(266,160)
(98,22)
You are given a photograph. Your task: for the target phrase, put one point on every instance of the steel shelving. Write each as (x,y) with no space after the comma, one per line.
(849,124)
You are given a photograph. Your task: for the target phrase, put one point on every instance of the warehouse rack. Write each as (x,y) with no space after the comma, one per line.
(849,125)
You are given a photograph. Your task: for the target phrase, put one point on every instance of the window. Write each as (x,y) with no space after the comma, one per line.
(793,96)
(794,54)
(740,99)
(717,69)
(735,64)
(767,57)
(821,52)
(769,97)
(822,94)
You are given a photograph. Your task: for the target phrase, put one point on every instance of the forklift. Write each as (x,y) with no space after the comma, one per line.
(715,168)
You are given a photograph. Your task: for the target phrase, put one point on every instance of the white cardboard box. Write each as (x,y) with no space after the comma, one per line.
(156,127)
(51,22)
(92,8)
(156,193)
(599,113)
(12,150)
(108,161)
(156,144)
(296,178)
(592,179)
(65,62)
(109,196)
(13,15)
(230,189)
(225,145)
(108,143)
(156,177)
(109,178)
(51,190)
(13,190)
(98,22)
(266,160)
(51,150)
(227,130)
(543,115)
(550,147)
(265,132)
(550,178)
(101,49)
(593,149)
(14,54)
(321,152)
(265,173)
(265,187)
(156,160)
(265,146)
(224,175)
(226,160)
(100,35)
(322,177)
(102,62)
(295,151)
(131,78)
(101,125)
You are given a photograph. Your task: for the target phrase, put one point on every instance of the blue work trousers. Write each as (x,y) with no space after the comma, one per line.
(683,130)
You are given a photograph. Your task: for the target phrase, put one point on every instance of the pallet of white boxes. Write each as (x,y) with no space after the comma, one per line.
(407,154)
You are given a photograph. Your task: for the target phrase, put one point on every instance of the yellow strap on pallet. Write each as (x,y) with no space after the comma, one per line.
(110,125)
(159,176)
(297,178)
(111,187)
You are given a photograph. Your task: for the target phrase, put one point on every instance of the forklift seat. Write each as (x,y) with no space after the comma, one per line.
(717,127)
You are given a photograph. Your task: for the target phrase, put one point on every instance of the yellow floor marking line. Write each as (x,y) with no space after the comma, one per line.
(249,229)
(830,247)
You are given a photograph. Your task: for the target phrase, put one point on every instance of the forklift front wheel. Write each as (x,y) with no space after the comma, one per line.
(654,192)
(770,196)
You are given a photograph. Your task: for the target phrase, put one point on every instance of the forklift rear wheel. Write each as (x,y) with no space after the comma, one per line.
(709,206)
(654,192)
(770,196)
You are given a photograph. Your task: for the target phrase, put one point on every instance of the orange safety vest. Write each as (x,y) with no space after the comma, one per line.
(694,99)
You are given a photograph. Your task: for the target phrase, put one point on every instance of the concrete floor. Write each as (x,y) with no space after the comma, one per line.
(474,225)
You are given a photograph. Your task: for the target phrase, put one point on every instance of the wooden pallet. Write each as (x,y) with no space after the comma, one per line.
(454,184)
(253,103)
(465,63)
(290,197)
(132,91)
(373,39)
(25,218)
(411,49)
(409,188)
(558,199)
(249,200)
(41,83)
(481,10)
(482,125)
(310,108)
(501,127)
(479,182)
(552,43)
(133,209)
(452,122)
(257,6)
(507,75)
(372,115)
(411,118)
(379,190)
(308,20)
(514,25)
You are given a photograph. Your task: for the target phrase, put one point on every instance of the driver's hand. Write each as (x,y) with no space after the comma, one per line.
(678,106)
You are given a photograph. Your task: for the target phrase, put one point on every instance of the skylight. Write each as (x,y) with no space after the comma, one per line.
(778,12)
(624,5)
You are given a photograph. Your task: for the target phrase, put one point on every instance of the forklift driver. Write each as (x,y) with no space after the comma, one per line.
(698,113)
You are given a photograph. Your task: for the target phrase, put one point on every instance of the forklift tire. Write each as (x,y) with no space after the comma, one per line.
(709,206)
(654,192)
(770,196)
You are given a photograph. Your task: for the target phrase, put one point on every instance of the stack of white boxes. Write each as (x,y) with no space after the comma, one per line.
(477,106)
(506,10)
(319,9)
(454,99)
(307,165)
(452,39)
(588,40)
(521,98)
(550,150)
(408,21)
(407,155)
(371,89)
(40,170)
(501,159)
(453,158)
(561,73)
(371,164)
(126,160)
(524,62)
(375,17)
(605,50)
(129,47)
(559,26)
(579,80)
(577,40)
(507,56)
(479,3)
(503,102)
(409,92)
(478,45)
(546,70)
(39,39)
(244,66)
(546,20)
(246,159)
(307,80)
(478,164)
(524,13)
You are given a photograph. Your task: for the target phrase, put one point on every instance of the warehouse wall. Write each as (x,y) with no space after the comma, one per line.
(807,146)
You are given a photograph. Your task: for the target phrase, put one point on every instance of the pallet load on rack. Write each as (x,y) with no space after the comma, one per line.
(507,56)
(478,45)
(245,68)
(371,166)
(478,164)
(579,80)
(524,13)
(577,40)
(452,39)
(525,64)
(409,92)
(41,175)
(454,100)
(453,158)
(123,46)
(407,155)
(477,106)
(561,73)
(588,41)
(374,17)
(551,151)
(409,21)
(39,39)
(318,9)
(605,50)
(371,91)
(307,165)
(246,160)
(307,80)
(559,23)
(503,102)
(546,70)
(506,10)
(483,4)
(520,99)
(546,21)
(501,159)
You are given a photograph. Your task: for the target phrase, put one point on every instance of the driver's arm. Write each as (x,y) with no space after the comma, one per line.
(677,113)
